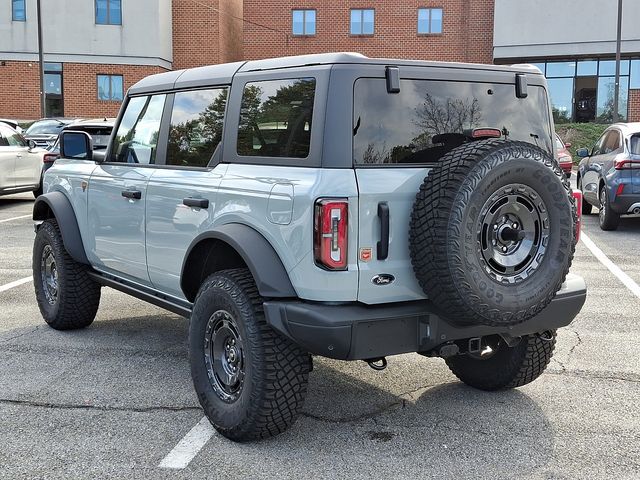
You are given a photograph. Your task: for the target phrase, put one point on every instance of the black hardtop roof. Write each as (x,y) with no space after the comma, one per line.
(223,73)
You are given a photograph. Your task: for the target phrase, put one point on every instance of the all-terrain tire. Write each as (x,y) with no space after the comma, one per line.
(508,367)
(607,218)
(265,399)
(71,298)
(492,232)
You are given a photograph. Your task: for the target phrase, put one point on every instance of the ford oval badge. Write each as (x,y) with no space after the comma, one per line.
(383,279)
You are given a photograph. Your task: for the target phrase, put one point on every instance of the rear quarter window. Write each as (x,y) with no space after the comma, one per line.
(427,118)
(276,118)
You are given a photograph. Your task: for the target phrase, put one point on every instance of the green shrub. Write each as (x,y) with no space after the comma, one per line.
(580,135)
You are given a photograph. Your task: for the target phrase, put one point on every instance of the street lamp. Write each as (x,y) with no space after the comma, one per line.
(616,94)
(41,60)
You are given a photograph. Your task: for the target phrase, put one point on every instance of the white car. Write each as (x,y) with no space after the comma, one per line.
(21,163)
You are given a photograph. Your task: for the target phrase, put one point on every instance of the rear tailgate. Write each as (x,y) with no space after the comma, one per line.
(396,188)
(399,137)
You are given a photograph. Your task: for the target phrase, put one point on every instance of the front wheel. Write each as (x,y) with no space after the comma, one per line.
(500,367)
(609,220)
(250,381)
(586,206)
(68,298)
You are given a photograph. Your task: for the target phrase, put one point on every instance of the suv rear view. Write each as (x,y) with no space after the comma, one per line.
(327,205)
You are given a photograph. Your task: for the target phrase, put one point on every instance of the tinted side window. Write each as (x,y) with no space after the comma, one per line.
(613,143)
(275,118)
(137,138)
(196,127)
(598,148)
(429,118)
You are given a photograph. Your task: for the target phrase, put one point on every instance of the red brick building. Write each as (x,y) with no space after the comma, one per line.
(464,32)
(93,56)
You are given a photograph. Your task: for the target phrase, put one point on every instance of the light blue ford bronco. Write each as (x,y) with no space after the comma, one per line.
(330,205)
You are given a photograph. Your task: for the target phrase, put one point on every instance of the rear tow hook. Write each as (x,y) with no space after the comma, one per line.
(378,364)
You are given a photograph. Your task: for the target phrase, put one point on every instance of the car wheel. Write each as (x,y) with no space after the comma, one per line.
(250,381)
(586,206)
(500,367)
(491,232)
(609,220)
(67,297)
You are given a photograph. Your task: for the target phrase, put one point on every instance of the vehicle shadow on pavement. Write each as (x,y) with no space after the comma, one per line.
(7,203)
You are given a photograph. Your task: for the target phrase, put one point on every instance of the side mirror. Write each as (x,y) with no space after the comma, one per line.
(76,145)
(32,144)
(582,152)
(567,145)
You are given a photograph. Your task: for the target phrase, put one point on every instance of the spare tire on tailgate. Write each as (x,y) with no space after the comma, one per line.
(492,232)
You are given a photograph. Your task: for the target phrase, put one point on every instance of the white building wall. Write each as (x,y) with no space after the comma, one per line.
(563,28)
(70,33)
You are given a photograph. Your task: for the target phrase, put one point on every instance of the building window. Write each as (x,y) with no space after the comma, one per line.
(109,12)
(304,22)
(110,88)
(19,11)
(362,22)
(429,20)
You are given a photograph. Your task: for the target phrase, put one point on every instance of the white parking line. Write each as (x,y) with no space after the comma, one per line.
(14,218)
(189,446)
(613,268)
(17,283)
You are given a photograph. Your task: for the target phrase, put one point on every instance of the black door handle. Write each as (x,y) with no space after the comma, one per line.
(196,202)
(383,244)
(135,194)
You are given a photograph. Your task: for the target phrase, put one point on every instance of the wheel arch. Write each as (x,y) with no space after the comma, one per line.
(235,245)
(56,205)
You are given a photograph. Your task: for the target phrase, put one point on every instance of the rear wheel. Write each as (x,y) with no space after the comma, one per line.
(251,382)
(609,220)
(500,367)
(68,298)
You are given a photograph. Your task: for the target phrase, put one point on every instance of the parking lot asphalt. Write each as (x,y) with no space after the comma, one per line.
(112,400)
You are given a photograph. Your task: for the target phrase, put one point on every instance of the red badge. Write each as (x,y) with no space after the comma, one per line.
(365,254)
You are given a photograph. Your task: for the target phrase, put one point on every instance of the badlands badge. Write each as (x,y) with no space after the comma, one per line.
(365,254)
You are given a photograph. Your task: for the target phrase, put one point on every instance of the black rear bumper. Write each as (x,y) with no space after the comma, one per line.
(356,331)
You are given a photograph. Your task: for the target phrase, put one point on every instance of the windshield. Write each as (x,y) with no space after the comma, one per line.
(429,118)
(47,127)
(559,143)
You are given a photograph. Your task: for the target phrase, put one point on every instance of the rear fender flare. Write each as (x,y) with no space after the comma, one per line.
(265,265)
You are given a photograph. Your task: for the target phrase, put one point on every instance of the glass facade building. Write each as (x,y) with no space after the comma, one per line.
(583,90)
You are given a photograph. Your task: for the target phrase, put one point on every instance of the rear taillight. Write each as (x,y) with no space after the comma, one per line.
(625,163)
(577,195)
(331,221)
(50,157)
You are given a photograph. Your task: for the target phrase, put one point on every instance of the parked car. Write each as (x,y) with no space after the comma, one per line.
(45,132)
(564,157)
(21,163)
(99,129)
(609,174)
(269,202)
(12,123)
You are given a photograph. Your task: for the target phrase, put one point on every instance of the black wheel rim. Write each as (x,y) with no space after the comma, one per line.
(49,275)
(224,356)
(513,233)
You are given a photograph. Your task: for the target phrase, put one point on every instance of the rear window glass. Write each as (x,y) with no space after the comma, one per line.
(429,118)
(275,118)
(196,127)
